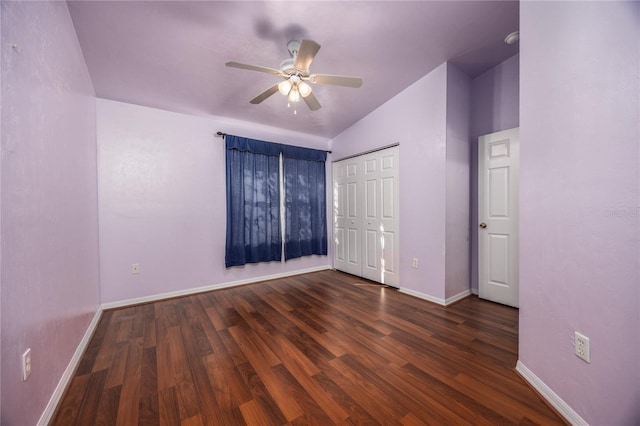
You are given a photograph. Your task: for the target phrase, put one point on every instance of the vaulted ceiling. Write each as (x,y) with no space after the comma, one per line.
(171,54)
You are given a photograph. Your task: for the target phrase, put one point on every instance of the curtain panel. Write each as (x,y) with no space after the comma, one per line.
(253,202)
(254,232)
(305,208)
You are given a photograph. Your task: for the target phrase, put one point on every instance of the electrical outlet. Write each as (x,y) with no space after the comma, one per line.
(135,268)
(26,364)
(582,347)
(414,263)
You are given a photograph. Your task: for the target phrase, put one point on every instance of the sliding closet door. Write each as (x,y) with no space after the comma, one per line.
(366,216)
(380,221)
(346,216)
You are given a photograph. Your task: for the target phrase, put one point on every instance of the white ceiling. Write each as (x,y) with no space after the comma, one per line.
(171,54)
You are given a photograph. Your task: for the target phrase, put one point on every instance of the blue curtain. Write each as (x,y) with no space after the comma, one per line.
(305,202)
(253,202)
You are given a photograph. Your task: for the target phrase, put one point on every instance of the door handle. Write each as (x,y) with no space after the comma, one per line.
(483,225)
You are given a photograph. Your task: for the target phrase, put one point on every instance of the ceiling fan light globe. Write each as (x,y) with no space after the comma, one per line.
(304,89)
(294,95)
(284,87)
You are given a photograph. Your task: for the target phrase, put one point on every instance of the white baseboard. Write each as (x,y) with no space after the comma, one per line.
(439,301)
(547,393)
(475,291)
(64,381)
(190,291)
(459,296)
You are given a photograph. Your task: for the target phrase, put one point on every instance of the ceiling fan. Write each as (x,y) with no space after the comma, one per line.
(295,74)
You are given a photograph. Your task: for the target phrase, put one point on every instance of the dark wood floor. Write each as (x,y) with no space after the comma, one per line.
(322,348)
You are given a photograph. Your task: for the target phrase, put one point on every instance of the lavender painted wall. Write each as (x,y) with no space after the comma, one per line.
(162,200)
(580,185)
(415,118)
(494,107)
(50,272)
(1,72)
(457,183)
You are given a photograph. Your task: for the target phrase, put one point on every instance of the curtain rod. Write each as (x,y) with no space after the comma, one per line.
(222,135)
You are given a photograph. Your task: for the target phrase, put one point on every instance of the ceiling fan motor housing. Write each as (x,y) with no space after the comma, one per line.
(287,66)
(294,47)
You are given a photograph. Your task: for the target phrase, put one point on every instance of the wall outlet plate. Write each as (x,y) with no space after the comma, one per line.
(583,349)
(26,364)
(135,268)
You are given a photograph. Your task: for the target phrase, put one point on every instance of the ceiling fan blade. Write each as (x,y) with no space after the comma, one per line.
(264,95)
(306,53)
(312,102)
(336,80)
(242,66)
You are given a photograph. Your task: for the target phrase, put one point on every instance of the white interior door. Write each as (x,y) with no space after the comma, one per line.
(366,216)
(498,158)
(346,215)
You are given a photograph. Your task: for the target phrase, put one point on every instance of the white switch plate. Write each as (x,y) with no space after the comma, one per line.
(414,263)
(26,364)
(135,268)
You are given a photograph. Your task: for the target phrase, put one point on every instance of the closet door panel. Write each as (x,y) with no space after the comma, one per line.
(347,212)
(371,216)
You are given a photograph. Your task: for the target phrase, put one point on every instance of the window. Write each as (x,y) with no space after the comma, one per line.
(255,198)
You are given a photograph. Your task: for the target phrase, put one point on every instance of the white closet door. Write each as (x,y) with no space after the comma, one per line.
(346,211)
(373,194)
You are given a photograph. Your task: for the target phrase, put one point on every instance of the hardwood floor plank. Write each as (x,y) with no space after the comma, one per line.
(262,364)
(128,410)
(442,403)
(253,414)
(148,406)
(108,408)
(149,330)
(115,376)
(67,411)
(357,415)
(376,401)
(93,348)
(90,402)
(228,386)
(186,396)
(168,410)
(312,413)
(498,401)
(126,330)
(251,379)
(322,348)
(194,338)
(261,395)
(430,411)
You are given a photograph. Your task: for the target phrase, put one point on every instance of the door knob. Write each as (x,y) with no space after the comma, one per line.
(483,225)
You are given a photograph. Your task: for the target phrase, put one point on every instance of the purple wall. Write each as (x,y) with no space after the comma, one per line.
(579,225)
(457,183)
(494,107)
(162,201)
(1,132)
(50,272)
(415,118)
